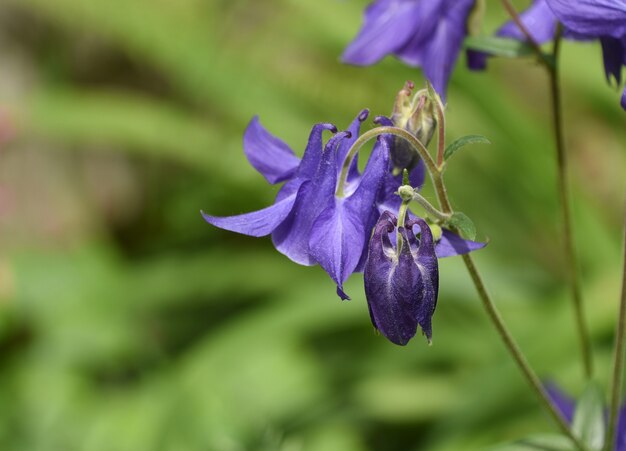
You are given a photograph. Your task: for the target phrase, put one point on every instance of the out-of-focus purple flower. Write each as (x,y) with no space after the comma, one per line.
(401,285)
(566,405)
(422,33)
(308,222)
(582,20)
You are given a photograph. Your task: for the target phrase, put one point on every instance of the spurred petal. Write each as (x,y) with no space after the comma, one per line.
(257,223)
(313,152)
(292,236)
(592,17)
(346,144)
(388,25)
(451,244)
(268,154)
(339,235)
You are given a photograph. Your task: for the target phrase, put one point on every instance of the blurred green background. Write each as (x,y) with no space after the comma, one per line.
(127,323)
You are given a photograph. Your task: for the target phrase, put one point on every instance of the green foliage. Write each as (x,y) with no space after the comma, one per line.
(463,141)
(589,418)
(127,323)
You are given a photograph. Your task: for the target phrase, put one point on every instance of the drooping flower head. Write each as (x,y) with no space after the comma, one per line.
(402,283)
(422,33)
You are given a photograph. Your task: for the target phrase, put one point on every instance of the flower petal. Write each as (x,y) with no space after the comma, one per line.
(564,404)
(613,54)
(592,17)
(340,234)
(539,20)
(268,154)
(438,54)
(257,223)
(451,244)
(346,144)
(292,236)
(387,26)
(623,101)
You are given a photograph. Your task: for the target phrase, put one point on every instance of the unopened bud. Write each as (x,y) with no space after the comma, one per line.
(406,193)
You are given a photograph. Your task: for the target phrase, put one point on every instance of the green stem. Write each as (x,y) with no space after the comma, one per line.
(404,207)
(430,209)
(618,365)
(496,319)
(370,134)
(566,218)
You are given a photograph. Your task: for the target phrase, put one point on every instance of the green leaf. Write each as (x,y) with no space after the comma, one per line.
(462,142)
(541,442)
(588,423)
(465,225)
(508,48)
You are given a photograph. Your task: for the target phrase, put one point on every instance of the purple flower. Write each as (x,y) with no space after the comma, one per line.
(308,222)
(401,285)
(583,20)
(567,406)
(422,33)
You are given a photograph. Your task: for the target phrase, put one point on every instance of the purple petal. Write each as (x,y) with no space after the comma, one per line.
(313,152)
(613,56)
(623,101)
(539,20)
(592,17)
(292,236)
(620,433)
(257,223)
(437,55)
(387,26)
(476,60)
(339,235)
(564,404)
(451,244)
(268,154)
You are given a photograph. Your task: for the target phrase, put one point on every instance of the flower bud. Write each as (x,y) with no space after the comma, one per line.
(416,114)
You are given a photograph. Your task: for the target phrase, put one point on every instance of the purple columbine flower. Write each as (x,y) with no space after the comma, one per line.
(583,20)
(401,285)
(308,222)
(422,33)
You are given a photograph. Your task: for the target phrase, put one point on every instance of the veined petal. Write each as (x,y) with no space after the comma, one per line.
(257,223)
(592,17)
(451,244)
(346,144)
(292,236)
(340,234)
(387,26)
(268,154)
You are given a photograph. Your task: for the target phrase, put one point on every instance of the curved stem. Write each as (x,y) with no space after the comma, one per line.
(566,219)
(370,134)
(430,209)
(618,365)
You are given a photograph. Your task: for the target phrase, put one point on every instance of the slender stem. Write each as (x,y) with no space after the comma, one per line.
(370,134)
(404,207)
(618,365)
(551,65)
(430,209)
(566,215)
(496,319)
(543,58)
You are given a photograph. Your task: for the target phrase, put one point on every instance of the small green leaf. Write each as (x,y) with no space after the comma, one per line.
(541,442)
(508,48)
(588,423)
(464,224)
(462,142)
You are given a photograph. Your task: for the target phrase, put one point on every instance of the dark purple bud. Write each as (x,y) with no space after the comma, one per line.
(401,287)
